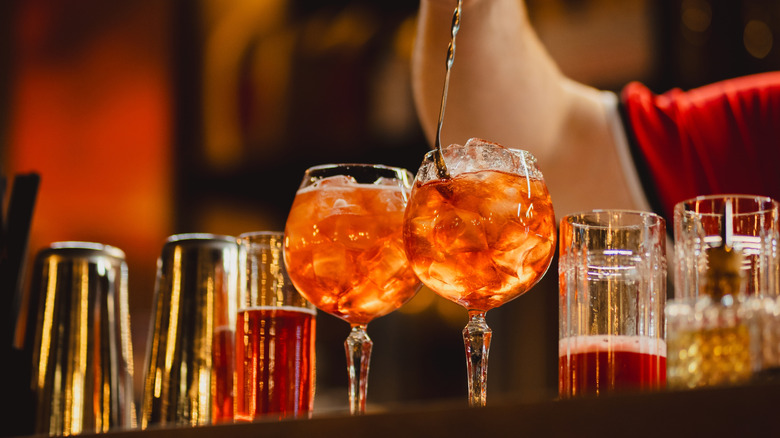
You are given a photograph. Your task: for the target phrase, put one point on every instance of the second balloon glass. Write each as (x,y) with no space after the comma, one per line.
(344,252)
(480,236)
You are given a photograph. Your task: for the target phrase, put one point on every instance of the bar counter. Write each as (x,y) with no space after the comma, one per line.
(742,411)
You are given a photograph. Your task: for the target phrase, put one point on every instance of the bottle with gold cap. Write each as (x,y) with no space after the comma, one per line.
(711,341)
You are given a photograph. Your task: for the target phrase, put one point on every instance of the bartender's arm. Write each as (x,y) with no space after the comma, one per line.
(504,87)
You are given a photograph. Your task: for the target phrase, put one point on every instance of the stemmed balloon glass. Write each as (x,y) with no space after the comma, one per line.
(480,233)
(344,252)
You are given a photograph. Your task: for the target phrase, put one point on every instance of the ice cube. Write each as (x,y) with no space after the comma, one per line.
(541,217)
(479,272)
(465,272)
(459,230)
(420,226)
(489,155)
(419,239)
(500,213)
(362,302)
(510,253)
(525,260)
(456,158)
(335,181)
(382,181)
(384,263)
(512,234)
(332,266)
(386,199)
(541,251)
(476,141)
(528,276)
(354,232)
(339,200)
(442,277)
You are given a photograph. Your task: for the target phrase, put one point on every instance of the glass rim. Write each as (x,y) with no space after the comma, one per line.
(649,218)
(249,234)
(487,144)
(356,165)
(253,244)
(320,171)
(83,248)
(203,240)
(266,239)
(762,204)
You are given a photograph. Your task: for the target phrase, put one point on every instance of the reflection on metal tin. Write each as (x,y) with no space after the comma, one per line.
(189,368)
(83,358)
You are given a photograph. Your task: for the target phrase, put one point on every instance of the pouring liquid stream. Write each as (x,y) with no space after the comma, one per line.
(441,166)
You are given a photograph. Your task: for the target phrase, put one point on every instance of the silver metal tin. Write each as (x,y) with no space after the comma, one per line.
(189,363)
(83,359)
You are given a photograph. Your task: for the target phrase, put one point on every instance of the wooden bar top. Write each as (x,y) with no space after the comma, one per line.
(741,411)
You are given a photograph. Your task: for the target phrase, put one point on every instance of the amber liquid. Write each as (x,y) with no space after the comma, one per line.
(274,363)
(343,248)
(222,379)
(709,357)
(480,239)
(597,366)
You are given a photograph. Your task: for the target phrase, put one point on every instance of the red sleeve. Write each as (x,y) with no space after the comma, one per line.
(721,138)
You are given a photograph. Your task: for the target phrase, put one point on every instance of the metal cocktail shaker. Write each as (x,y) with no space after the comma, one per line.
(189,369)
(83,358)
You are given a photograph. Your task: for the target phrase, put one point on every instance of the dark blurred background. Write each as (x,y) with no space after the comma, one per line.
(147,118)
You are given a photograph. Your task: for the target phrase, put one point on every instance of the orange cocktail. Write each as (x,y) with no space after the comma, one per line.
(481,239)
(479,232)
(344,249)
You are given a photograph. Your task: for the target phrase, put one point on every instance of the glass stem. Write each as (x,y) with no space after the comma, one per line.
(358,347)
(476,337)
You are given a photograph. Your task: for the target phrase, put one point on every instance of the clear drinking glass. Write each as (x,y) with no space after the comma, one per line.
(275,333)
(481,236)
(723,332)
(344,252)
(612,280)
(755,233)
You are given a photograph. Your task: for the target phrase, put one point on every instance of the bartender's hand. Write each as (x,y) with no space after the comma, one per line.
(504,87)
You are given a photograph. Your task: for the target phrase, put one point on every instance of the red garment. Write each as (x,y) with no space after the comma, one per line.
(722,138)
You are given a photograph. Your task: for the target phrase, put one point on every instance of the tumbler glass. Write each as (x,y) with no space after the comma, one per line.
(83,358)
(275,332)
(697,226)
(190,365)
(612,279)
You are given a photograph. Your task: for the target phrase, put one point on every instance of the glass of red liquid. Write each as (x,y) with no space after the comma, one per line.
(275,333)
(612,279)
